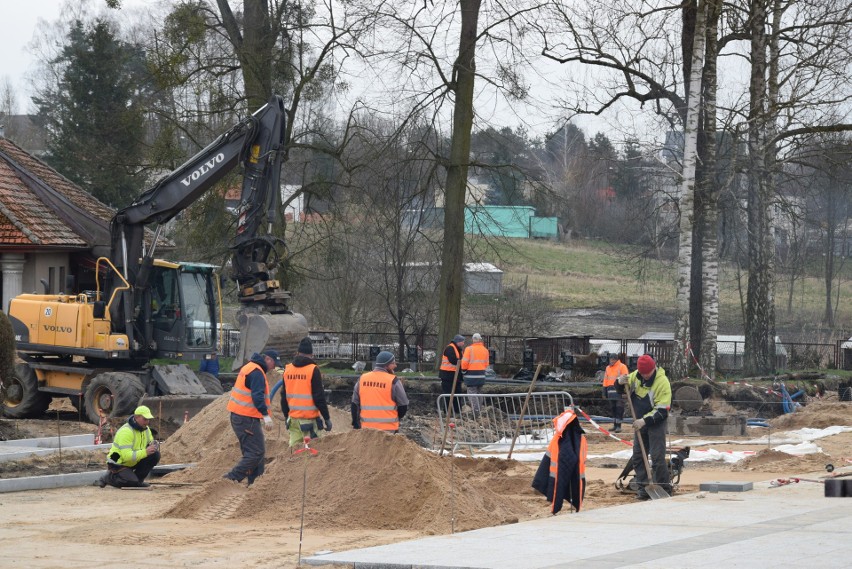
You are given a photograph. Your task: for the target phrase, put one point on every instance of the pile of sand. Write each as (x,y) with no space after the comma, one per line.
(769,460)
(816,415)
(362,479)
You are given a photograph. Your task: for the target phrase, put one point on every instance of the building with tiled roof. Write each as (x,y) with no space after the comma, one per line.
(50,228)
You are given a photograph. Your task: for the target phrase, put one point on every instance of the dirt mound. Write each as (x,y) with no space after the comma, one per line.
(816,415)
(364,479)
(768,460)
(209,433)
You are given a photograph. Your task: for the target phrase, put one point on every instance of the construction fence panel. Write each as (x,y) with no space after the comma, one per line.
(490,430)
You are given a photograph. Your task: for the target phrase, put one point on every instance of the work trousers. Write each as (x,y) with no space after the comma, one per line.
(654,437)
(252,445)
(616,404)
(299,428)
(447,388)
(134,476)
(475,403)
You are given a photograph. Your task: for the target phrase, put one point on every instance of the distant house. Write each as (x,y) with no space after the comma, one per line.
(50,228)
(482,278)
(508,221)
(478,278)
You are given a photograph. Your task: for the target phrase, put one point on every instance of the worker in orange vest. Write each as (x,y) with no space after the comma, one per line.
(379,400)
(474,363)
(447,373)
(615,368)
(250,407)
(303,396)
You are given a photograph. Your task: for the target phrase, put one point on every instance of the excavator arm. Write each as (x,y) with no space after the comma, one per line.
(257,143)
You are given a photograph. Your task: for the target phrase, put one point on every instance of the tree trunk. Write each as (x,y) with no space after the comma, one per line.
(710,202)
(760,312)
(452,254)
(680,363)
(253,44)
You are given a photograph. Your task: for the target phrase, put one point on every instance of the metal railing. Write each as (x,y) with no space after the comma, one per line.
(486,423)
(518,350)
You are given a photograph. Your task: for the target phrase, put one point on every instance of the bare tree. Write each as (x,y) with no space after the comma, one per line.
(680,362)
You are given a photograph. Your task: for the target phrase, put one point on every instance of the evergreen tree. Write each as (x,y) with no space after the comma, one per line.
(93,112)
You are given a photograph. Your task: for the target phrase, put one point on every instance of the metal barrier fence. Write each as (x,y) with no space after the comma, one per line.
(518,350)
(491,428)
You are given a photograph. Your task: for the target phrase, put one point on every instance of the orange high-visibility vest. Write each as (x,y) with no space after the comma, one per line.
(612,373)
(297,383)
(475,357)
(445,362)
(240,401)
(378,409)
(559,424)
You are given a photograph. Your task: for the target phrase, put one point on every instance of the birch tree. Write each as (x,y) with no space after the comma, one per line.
(680,363)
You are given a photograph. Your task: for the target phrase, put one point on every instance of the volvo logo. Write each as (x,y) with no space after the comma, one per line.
(62,329)
(203,169)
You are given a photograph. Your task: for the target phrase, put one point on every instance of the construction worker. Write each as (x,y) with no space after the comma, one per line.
(447,372)
(249,406)
(379,400)
(474,363)
(561,474)
(615,368)
(651,396)
(133,454)
(303,396)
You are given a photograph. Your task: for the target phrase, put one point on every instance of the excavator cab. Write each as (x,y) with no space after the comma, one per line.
(180,318)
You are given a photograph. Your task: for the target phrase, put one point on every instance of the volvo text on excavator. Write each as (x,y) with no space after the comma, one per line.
(96,347)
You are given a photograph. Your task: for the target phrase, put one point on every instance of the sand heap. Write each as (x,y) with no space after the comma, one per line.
(770,460)
(362,479)
(817,415)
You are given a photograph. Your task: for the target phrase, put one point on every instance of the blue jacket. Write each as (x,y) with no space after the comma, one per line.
(257,383)
(210,366)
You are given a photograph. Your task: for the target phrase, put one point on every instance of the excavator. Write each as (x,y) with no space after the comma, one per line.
(101,348)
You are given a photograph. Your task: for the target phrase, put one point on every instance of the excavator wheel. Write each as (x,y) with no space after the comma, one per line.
(112,394)
(211,383)
(23,399)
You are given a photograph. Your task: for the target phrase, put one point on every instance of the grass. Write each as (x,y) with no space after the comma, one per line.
(599,275)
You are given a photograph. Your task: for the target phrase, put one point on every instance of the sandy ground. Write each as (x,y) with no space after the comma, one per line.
(363,488)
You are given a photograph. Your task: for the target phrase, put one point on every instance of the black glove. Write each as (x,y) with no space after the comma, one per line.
(328,424)
(319,424)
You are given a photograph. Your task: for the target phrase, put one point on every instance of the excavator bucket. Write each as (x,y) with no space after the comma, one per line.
(281,332)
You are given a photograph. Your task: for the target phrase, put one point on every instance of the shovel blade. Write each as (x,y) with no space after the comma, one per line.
(656,492)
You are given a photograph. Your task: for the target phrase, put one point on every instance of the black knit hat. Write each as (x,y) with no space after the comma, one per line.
(306,347)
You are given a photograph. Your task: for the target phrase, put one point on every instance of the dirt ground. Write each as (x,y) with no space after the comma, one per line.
(363,488)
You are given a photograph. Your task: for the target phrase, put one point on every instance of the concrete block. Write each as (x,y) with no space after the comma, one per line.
(712,426)
(725,486)
(51,442)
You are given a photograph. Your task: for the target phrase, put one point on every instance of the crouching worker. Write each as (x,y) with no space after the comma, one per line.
(134,452)
(561,474)
(303,396)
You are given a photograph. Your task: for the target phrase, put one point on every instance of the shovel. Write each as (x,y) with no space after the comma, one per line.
(653,490)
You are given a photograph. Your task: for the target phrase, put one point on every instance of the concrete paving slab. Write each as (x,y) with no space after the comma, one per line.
(767,527)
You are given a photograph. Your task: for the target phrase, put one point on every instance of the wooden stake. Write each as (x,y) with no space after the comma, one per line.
(523,411)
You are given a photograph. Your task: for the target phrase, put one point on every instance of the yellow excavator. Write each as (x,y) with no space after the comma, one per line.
(97,346)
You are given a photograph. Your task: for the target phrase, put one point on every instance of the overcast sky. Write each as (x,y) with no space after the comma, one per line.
(20,19)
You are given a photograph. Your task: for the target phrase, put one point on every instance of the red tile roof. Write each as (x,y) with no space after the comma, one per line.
(40,207)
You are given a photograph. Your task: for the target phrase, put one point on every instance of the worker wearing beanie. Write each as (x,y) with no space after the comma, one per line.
(474,363)
(651,394)
(378,399)
(303,396)
(447,373)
